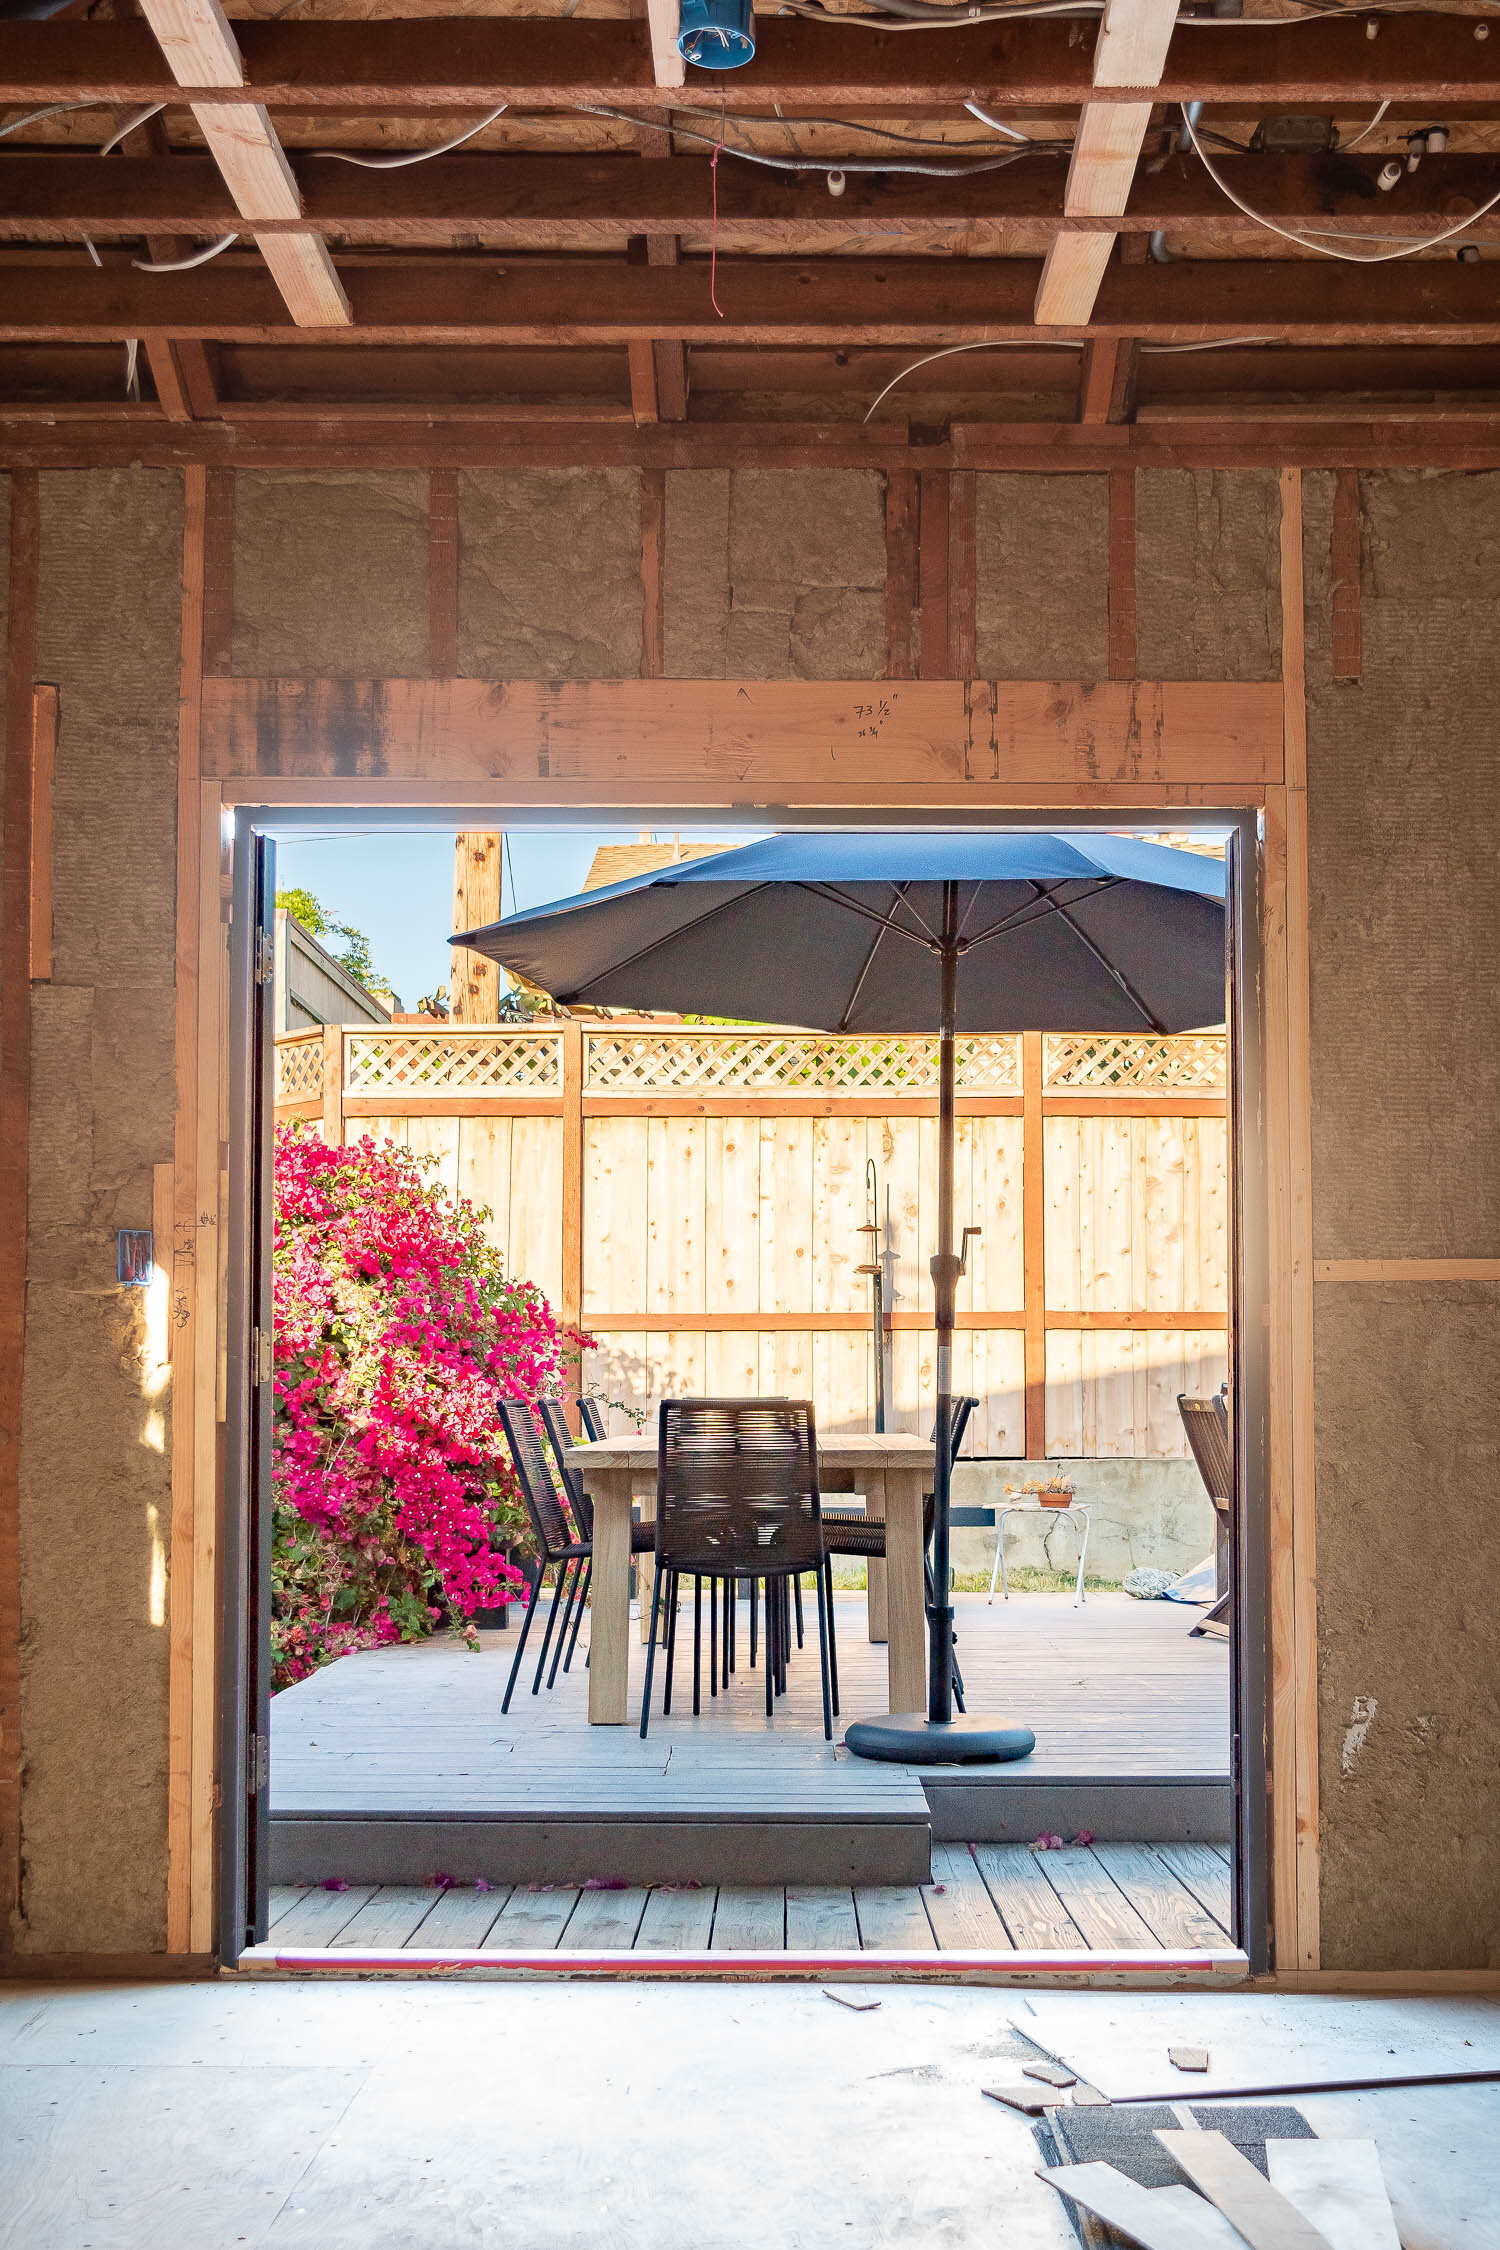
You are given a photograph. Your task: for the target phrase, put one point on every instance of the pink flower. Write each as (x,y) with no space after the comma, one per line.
(1046,1843)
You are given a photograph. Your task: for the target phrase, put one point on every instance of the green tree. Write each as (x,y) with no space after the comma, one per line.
(355,959)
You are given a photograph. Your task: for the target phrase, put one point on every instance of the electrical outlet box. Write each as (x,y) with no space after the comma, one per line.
(134,1257)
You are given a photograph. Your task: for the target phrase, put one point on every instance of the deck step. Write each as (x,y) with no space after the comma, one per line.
(891,1844)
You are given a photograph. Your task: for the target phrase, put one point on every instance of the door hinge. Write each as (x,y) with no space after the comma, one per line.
(265,957)
(258,1765)
(262,1354)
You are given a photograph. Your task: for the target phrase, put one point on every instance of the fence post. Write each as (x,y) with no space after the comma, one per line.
(1033,1228)
(572,1178)
(333,1085)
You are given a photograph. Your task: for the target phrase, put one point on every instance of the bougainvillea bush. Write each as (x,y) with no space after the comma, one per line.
(397,1332)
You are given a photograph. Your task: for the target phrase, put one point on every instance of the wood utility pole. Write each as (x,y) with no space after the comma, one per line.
(474,982)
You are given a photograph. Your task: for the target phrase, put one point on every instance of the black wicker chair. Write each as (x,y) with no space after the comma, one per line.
(737,1497)
(845,1533)
(590,1417)
(558,1544)
(580,1507)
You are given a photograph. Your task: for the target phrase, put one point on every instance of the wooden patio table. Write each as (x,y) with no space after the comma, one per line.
(893,1472)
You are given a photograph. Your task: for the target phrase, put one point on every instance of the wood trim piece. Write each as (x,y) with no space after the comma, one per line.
(187,1397)
(1122,613)
(900,573)
(442,572)
(1131,51)
(653,568)
(43,761)
(921,741)
(756,1104)
(1348,649)
(1034,1243)
(331,1113)
(1298,1678)
(1406,1269)
(15,1108)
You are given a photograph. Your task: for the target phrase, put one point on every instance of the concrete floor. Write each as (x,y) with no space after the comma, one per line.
(620,2117)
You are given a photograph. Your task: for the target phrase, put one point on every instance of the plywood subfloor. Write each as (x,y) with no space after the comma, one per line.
(993,1897)
(1114,1690)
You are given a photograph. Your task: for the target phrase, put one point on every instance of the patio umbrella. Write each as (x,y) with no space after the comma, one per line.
(953,932)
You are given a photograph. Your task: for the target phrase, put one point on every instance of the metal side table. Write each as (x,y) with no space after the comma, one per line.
(1035,1508)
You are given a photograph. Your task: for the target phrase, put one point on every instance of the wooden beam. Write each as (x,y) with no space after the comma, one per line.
(1384,1270)
(1428,62)
(474,979)
(200,49)
(299,436)
(1034,1243)
(836,302)
(15,1108)
(1347,637)
(1131,51)
(43,762)
(962,572)
(585,201)
(183,373)
(667,65)
(442,573)
(932,736)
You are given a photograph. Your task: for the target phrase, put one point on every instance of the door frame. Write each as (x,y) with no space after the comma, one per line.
(260,809)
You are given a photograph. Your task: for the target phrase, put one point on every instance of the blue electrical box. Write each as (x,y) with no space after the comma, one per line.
(716,34)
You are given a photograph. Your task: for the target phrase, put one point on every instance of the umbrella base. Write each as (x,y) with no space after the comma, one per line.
(911,1738)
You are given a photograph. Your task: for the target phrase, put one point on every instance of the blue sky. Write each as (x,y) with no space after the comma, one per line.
(397,886)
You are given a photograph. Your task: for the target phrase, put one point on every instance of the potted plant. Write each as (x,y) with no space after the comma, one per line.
(1055,1491)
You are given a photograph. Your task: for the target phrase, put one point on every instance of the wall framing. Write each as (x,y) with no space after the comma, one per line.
(1093,754)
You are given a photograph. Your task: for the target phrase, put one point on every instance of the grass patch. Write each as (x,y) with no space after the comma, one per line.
(1024,1579)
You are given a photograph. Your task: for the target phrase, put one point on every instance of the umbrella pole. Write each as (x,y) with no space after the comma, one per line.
(945,1272)
(934,1736)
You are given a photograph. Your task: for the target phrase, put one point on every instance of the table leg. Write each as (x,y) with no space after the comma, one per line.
(906,1607)
(645,1572)
(876,1594)
(609,1624)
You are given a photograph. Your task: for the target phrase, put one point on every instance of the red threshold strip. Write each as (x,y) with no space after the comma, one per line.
(1123,1968)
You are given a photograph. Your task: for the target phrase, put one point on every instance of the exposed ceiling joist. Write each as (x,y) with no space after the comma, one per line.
(667,65)
(838,302)
(418,66)
(1131,51)
(200,49)
(582,202)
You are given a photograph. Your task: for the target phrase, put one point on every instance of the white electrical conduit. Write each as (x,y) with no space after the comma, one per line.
(1307,242)
(974,109)
(1345,146)
(141,117)
(1050,344)
(416,156)
(184,265)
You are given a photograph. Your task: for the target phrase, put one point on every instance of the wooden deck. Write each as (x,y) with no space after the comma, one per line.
(393,1765)
(988,1897)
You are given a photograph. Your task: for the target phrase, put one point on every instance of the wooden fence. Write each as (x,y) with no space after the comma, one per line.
(693,1198)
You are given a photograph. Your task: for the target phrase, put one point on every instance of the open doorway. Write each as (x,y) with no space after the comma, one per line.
(697,1199)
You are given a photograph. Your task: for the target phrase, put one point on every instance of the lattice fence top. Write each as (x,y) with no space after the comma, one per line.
(1114,1062)
(639,1062)
(453,1062)
(299,1067)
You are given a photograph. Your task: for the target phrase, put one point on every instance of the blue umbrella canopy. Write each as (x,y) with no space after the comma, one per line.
(838,932)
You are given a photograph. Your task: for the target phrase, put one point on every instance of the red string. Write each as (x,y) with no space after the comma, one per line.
(713,253)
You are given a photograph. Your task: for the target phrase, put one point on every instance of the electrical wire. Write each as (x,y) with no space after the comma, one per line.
(1345,146)
(184,265)
(811,163)
(121,132)
(1011,134)
(1307,241)
(51,109)
(417,156)
(951,351)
